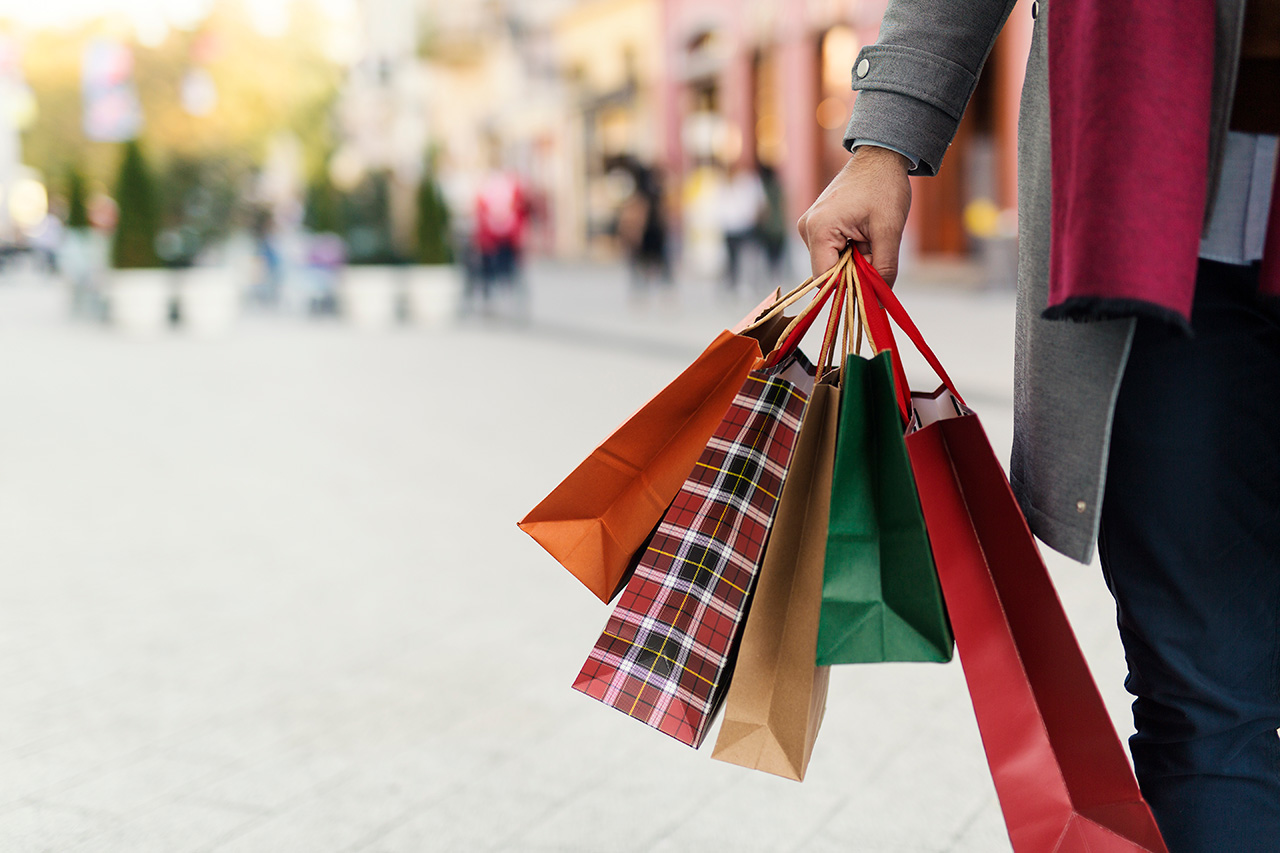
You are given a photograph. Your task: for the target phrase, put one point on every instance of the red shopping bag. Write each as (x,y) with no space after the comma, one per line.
(1059,768)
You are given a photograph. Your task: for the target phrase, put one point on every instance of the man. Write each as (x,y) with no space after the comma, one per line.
(1147,405)
(738,205)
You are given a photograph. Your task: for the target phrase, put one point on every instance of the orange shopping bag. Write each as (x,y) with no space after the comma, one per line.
(598,518)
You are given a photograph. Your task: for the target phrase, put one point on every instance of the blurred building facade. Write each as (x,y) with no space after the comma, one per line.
(770,82)
(559,91)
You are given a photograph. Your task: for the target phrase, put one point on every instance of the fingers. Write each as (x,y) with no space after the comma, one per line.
(886,242)
(823,235)
(823,256)
(865,204)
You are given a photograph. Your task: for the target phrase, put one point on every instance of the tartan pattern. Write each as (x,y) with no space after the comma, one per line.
(666,650)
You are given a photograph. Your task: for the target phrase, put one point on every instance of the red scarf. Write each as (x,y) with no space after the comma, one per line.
(1130,89)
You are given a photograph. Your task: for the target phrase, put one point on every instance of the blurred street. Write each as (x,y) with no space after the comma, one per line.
(266,593)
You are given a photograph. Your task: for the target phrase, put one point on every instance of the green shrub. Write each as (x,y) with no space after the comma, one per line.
(322,212)
(366,222)
(433,245)
(139,223)
(199,204)
(77,200)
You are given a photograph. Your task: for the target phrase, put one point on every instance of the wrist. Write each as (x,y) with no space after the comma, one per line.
(876,154)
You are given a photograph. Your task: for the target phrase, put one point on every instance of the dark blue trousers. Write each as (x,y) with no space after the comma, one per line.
(1190,546)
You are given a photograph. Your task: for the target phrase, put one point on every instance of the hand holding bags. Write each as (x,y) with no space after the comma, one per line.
(1060,771)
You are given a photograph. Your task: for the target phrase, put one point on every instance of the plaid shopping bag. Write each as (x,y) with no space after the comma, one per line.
(665,653)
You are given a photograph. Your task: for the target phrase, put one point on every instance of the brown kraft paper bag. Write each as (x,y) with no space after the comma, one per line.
(777,696)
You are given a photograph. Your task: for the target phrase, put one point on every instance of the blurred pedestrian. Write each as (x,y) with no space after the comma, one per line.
(501,219)
(642,230)
(739,205)
(270,273)
(772,228)
(326,253)
(46,242)
(1153,425)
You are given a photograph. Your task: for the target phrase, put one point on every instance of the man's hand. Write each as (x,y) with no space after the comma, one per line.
(867,204)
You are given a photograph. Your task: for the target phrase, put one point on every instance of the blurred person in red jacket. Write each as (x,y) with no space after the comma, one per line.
(501,221)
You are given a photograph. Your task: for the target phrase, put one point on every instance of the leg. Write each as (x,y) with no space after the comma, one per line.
(733,246)
(1190,546)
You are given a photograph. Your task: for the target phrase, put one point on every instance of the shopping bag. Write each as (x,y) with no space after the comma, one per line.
(1059,768)
(777,696)
(596,520)
(880,595)
(665,653)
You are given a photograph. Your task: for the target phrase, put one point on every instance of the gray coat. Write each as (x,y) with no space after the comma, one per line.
(914,85)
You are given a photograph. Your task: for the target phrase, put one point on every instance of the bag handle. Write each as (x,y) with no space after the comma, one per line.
(880,338)
(852,327)
(790,338)
(786,301)
(875,317)
(836,323)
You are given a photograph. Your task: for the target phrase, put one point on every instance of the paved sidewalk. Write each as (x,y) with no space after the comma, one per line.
(267,594)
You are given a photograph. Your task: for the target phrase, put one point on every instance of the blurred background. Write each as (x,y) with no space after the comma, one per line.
(303,303)
(286,138)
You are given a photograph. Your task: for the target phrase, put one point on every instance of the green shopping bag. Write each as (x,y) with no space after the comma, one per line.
(881,600)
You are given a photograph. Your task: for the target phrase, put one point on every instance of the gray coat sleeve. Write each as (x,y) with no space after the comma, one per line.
(915,82)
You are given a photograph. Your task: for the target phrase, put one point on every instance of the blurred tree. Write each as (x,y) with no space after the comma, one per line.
(366,221)
(77,207)
(323,211)
(139,224)
(253,86)
(199,198)
(433,246)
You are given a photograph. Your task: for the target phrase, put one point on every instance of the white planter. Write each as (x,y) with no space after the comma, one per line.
(367,295)
(139,300)
(208,300)
(76,255)
(433,294)
(82,261)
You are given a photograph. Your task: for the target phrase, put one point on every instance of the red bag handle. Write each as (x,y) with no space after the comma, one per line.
(875,316)
(799,328)
(831,281)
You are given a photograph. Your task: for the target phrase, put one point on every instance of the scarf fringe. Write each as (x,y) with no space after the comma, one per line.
(1091,309)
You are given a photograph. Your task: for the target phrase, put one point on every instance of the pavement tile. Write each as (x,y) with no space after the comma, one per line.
(29,776)
(339,818)
(986,832)
(274,782)
(755,814)
(227,741)
(132,787)
(43,828)
(175,827)
(470,822)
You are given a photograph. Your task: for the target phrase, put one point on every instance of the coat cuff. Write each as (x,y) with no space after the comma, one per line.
(892,107)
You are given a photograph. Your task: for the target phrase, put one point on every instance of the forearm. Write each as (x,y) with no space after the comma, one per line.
(915,82)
